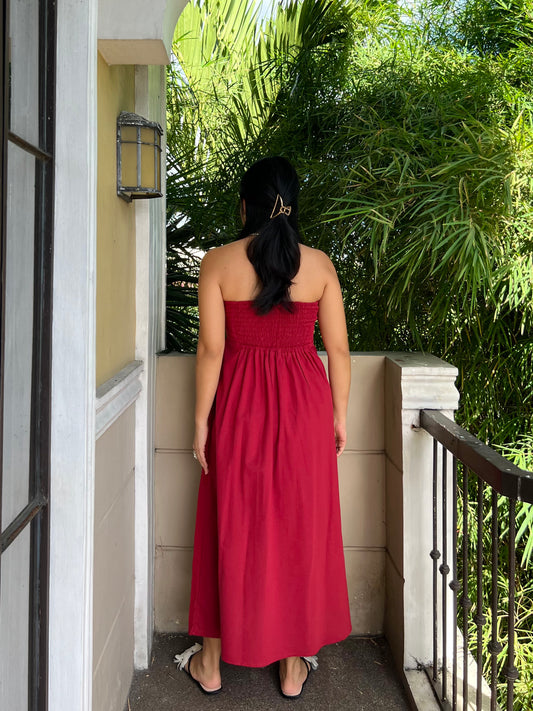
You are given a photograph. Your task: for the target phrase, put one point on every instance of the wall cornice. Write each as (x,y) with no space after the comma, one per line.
(427,382)
(115,396)
(136,31)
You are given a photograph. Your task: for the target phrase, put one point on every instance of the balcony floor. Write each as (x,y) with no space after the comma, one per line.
(357,673)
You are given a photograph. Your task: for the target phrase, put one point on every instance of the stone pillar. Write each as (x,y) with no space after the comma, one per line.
(413,381)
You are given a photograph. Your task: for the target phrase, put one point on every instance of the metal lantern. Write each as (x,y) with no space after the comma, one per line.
(138,157)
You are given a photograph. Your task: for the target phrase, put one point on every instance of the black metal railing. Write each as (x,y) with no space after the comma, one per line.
(482,485)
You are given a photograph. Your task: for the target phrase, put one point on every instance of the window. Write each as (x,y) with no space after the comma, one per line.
(27,64)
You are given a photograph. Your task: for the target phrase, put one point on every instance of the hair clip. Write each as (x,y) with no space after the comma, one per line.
(283,209)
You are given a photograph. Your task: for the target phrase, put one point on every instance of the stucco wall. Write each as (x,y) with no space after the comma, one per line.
(114,542)
(115,276)
(361,479)
(114,507)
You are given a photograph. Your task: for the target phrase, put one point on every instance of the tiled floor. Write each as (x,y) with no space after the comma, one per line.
(354,674)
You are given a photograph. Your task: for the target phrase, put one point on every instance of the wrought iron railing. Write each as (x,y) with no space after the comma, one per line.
(472,484)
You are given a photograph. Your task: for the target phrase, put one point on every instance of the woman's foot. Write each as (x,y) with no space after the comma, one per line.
(202,664)
(293,673)
(205,671)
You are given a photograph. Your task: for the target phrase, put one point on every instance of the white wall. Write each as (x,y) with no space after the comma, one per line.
(114,558)
(73,360)
(150,102)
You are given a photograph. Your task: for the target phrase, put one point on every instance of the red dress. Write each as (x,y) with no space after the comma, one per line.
(268,572)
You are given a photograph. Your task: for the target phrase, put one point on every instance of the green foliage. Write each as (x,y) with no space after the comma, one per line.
(521,453)
(481,26)
(438,198)
(415,160)
(227,93)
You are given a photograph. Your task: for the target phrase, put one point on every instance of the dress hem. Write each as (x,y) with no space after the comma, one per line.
(290,653)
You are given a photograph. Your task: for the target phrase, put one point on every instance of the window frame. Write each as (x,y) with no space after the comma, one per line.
(36,512)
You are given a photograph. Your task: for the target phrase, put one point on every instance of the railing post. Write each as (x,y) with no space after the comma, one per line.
(414,381)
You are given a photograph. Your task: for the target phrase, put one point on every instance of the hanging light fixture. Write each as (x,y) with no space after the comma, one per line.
(138,157)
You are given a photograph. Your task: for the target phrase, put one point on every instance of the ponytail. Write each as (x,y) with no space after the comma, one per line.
(275,255)
(270,190)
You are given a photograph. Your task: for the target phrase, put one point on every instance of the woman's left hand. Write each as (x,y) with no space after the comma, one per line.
(200,439)
(340,436)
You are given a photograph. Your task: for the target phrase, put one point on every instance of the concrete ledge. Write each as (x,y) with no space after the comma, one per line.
(115,395)
(426,381)
(420,691)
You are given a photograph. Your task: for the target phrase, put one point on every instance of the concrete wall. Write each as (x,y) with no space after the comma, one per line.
(115,280)
(114,502)
(362,489)
(114,541)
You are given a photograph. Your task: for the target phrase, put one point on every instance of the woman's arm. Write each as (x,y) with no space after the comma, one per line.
(332,322)
(210,349)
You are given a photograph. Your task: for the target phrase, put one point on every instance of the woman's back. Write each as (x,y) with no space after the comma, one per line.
(232,275)
(238,280)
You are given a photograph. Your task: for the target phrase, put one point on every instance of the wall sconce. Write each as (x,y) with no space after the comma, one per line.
(138,157)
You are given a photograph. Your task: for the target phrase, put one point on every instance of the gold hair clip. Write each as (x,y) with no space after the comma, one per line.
(283,209)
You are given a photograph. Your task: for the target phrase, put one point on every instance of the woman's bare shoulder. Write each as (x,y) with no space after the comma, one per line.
(316,257)
(218,255)
(314,275)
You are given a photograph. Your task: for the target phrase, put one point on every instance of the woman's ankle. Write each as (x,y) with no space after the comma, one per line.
(290,662)
(211,652)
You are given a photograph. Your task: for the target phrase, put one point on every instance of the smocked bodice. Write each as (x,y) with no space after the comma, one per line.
(277,329)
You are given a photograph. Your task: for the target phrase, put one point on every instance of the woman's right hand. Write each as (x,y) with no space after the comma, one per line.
(199,445)
(340,437)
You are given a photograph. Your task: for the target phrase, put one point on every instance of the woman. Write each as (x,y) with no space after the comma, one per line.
(269,580)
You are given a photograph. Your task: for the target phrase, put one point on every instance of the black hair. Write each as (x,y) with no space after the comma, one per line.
(274,248)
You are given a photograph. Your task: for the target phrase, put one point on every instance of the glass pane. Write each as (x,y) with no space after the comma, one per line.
(14,623)
(128,133)
(148,167)
(129,164)
(147,135)
(24,69)
(19,257)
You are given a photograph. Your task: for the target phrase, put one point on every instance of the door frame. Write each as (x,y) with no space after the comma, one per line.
(73,364)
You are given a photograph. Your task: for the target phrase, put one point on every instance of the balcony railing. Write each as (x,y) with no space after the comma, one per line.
(473,487)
